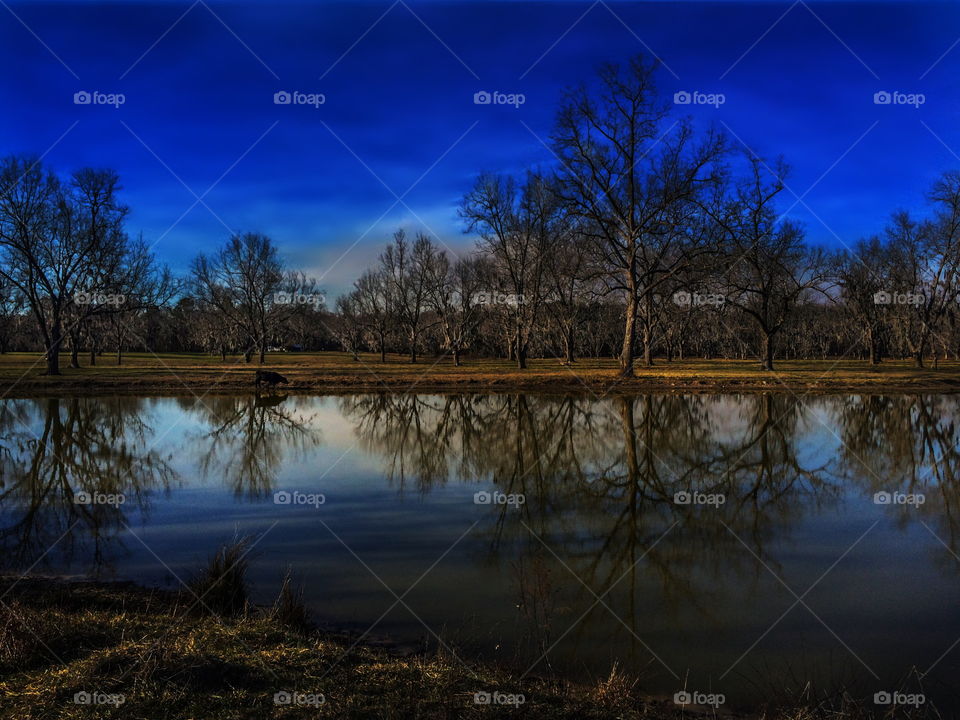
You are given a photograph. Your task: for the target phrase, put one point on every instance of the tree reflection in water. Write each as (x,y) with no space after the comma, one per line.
(54,449)
(600,479)
(247,438)
(910,444)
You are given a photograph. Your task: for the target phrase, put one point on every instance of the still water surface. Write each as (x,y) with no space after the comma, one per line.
(786,567)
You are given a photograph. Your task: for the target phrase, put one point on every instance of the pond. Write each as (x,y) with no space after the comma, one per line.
(735,544)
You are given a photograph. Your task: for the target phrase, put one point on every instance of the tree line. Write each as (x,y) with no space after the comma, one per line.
(645,238)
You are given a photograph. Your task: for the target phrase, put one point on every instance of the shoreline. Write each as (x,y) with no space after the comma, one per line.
(192,374)
(586,388)
(107,637)
(215,666)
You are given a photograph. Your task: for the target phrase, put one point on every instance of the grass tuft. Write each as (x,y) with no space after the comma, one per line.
(289,609)
(221,587)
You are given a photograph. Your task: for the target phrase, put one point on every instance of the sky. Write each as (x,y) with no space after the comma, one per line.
(203,150)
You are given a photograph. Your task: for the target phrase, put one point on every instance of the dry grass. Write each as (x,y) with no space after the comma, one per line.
(290,610)
(58,639)
(221,586)
(21,374)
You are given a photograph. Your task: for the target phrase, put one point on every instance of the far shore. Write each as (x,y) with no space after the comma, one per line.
(188,374)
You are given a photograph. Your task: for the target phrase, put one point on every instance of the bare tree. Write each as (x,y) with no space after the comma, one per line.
(98,217)
(374,308)
(246,283)
(29,195)
(518,225)
(408,270)
(926,261)
(568,283)
(455,298)
(863,273)
(347,324)
(63,244)
(769,269)
(145,287)
(11,306)
(632,178)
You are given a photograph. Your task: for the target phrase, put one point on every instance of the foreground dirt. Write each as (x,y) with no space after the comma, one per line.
(22,375)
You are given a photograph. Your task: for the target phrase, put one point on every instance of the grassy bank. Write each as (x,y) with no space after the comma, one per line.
(83,650)
(21,374)
(105,650)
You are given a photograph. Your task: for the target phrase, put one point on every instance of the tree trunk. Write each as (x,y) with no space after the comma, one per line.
(93,356)
(647,344)
(119,353)
(247,355)
(875,355)
(766,361)
(629,336)
(569,343)
(53,351)
(263,354)
(519,350)
(456,357)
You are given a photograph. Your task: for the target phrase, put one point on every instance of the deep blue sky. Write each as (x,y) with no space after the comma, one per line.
(402,97)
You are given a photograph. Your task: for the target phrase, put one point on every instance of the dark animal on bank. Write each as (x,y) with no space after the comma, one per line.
(270,378)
